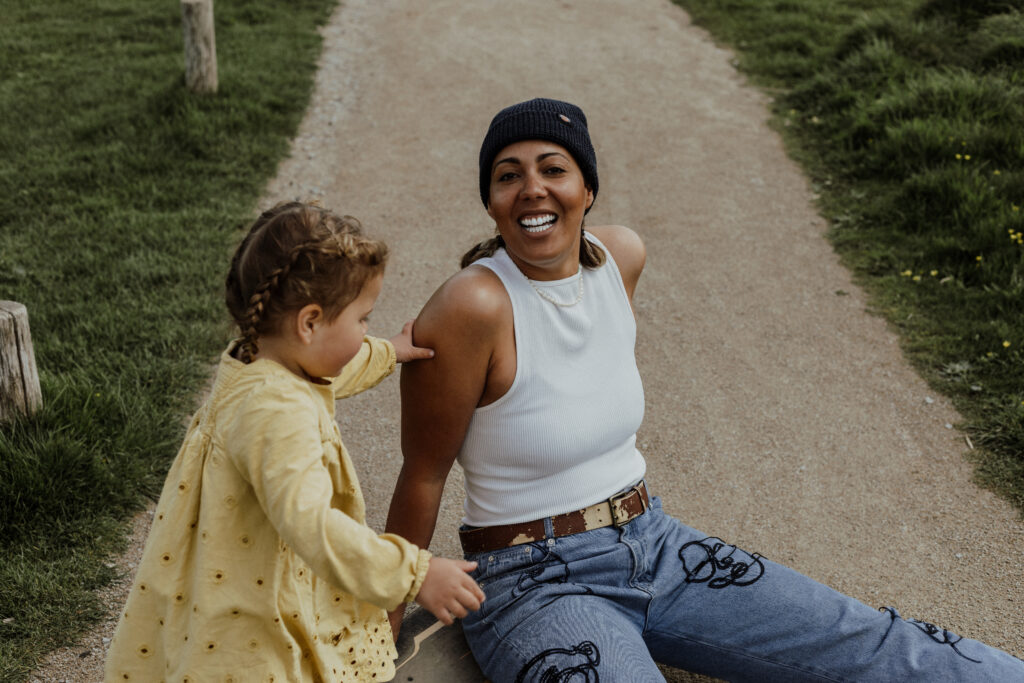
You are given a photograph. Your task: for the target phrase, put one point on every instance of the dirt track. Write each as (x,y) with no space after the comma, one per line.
(780,415)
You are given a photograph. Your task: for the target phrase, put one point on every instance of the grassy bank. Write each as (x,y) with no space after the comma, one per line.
(907,116)
(120,196)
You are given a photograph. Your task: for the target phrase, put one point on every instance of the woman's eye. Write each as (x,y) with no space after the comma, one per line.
(555,170)
(505,177)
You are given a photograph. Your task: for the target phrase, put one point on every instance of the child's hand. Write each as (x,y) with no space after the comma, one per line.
(404,349)
(447,591)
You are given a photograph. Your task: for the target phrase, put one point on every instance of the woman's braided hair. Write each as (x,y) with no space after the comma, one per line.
(297,254)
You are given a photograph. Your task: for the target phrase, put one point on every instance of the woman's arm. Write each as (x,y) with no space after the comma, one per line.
(627,249)
(461,323)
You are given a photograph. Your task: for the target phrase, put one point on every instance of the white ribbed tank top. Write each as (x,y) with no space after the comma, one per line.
(564,435)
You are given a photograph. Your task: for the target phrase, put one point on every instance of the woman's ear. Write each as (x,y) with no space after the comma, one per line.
(307,320)
(590,198)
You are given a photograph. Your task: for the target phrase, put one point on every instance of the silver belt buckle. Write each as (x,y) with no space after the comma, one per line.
(619,516)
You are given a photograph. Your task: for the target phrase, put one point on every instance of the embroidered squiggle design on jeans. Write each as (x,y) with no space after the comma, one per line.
(939,635)
(719,565)
(544,574)
(559,665)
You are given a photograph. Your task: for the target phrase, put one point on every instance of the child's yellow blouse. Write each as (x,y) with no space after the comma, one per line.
(259,565)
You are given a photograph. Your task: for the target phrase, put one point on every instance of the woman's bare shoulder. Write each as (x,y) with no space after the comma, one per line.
(620,240)
(472,299)
(627,249)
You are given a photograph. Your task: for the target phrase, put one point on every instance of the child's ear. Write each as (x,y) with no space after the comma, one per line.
(306,321)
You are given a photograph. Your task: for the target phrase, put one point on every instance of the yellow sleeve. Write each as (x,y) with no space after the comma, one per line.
(375,361)
(276,446)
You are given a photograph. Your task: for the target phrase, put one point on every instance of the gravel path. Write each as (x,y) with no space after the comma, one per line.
(781,416)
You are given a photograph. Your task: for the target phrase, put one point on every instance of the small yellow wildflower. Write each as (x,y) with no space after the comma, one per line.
(815,120)
(977,258)
(934,273)
(1015,207)
(963,143)
(990,354)
(907,273)
(959,156)
(995,172)
(967,157)
(1006,344)
(916,278)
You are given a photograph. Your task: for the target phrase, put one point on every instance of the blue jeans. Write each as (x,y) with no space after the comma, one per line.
(604,605)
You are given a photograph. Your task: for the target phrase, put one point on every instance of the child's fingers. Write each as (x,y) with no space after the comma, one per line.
(420,353)
(443,615)
(471,599)
(465,566)
(474,589)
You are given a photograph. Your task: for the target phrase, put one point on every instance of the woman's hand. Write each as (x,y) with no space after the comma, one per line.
(405,350)
(448,592)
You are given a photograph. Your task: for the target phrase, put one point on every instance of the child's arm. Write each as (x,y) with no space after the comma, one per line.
(376,360)
(276,445)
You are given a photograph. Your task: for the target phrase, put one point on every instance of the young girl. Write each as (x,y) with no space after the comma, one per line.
(259,565)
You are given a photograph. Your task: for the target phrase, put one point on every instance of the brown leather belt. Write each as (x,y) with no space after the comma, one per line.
(617,511)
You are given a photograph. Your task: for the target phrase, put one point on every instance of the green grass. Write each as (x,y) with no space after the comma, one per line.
(120,197)
(907,116)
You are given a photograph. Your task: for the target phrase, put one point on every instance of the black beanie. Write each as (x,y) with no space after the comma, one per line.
(539,119)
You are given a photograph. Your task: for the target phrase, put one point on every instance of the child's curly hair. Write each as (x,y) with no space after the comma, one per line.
(297,254)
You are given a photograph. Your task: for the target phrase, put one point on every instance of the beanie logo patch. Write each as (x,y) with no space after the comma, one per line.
(564,117)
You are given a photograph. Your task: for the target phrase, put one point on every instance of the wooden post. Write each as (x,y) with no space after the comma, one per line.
(19,382)
(200,46)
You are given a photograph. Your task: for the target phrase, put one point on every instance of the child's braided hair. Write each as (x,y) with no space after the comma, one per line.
(297,254)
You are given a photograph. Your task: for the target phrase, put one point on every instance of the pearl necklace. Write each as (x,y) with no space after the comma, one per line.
(547,297)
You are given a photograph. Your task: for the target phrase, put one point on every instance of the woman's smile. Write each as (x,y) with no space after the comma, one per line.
(538,224)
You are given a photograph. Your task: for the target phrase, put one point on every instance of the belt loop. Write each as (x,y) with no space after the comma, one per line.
(549,528)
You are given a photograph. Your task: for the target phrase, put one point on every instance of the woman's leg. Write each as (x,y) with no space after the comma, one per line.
(555,613)
(733,614)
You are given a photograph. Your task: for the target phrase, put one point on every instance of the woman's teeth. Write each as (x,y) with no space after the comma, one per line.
(537,223)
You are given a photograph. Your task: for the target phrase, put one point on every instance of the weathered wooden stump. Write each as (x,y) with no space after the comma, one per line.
(200,46)
(428,651)
(19,381)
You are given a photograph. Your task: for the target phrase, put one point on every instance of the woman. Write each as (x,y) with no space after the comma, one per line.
(534,389)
